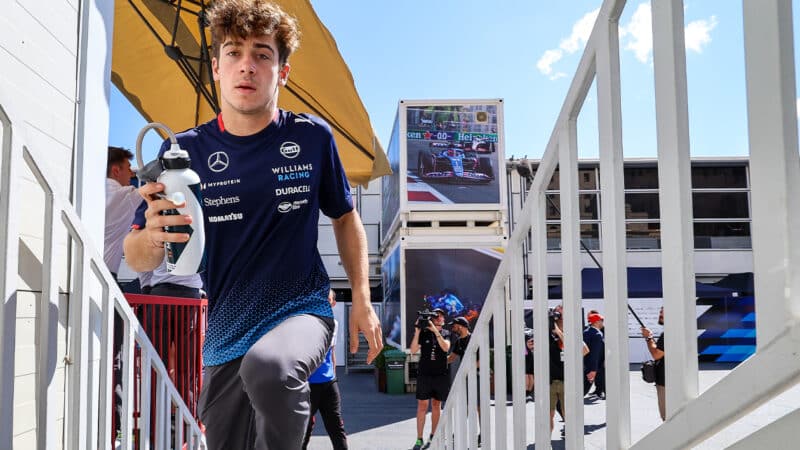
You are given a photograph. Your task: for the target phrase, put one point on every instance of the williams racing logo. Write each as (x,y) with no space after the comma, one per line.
(293,172)
(290,150)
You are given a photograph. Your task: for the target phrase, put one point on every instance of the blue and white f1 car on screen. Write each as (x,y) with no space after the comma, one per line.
(450,162)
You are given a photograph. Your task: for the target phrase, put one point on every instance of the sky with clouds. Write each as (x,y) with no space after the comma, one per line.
(526,52)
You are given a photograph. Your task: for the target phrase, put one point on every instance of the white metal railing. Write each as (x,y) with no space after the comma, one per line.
(87,394)
(775,182)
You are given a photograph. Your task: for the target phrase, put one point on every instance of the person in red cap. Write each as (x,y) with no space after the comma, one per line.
(594,362)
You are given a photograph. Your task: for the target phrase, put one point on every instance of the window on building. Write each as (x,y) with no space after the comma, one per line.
(641,177)
(590,235)
(709,177)
(722,235)
(720,205)
(587,206)
(642,205)
(643,235)
(587,180)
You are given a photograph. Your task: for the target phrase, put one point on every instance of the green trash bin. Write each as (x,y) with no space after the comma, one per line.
(395,372)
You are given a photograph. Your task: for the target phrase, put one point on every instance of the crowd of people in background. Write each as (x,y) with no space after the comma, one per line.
(433,342)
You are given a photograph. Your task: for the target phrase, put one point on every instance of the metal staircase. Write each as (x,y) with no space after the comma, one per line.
(92,297)
(692,417)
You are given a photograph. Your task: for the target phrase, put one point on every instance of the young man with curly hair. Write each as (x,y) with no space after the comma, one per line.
(270,172)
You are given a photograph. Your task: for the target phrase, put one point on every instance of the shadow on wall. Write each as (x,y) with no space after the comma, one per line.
(30,268)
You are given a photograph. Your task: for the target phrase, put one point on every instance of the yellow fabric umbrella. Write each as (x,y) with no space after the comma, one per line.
(161,64)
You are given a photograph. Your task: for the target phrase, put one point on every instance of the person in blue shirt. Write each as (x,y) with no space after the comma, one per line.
(325,395)
(266,174)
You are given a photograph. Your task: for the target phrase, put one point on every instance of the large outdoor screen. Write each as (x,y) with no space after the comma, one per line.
(452,154)
(456,280)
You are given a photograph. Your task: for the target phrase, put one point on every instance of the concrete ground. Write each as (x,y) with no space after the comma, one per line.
(380,421)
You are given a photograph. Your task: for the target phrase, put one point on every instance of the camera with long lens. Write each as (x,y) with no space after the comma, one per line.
(425,316)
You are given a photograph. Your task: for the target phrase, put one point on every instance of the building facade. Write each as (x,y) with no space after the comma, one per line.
(721,204)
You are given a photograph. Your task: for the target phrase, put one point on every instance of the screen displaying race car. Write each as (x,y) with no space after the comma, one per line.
(451,162)
(452,155)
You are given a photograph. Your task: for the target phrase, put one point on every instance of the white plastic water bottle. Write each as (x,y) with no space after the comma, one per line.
(182,184)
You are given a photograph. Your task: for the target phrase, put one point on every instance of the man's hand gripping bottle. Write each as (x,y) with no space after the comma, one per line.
(181,184)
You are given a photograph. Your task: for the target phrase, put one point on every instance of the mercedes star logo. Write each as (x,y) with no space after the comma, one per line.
(218,161)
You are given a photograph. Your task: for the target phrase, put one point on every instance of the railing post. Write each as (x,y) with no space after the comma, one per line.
(78,370)
(472,402)
(107,366)
(127,381)
(538,264)
(485,379)
(675,198)
(571,281)
(517,280)
(47,321)
(459,418)
(9,251)
(612,230)
(500,413)
(774,166)
(146,386)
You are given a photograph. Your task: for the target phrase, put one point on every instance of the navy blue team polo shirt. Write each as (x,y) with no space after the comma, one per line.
(262,195)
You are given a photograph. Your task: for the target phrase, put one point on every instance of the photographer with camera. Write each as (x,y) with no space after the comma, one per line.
(433,380)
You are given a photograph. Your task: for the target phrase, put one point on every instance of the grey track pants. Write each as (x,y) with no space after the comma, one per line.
(261,400)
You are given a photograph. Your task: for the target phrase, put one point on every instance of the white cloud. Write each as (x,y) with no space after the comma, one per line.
(576,41)
(580,32)
(639,33)
(550,57)
(698,33)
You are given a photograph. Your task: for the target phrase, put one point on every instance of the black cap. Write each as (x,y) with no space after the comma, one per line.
(439,310)
(460,321)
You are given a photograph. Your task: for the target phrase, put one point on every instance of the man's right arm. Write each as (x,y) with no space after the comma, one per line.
(655,352)
(144,248)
